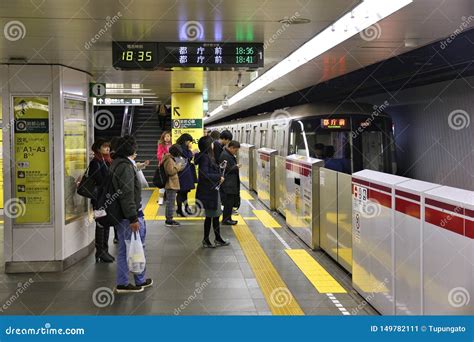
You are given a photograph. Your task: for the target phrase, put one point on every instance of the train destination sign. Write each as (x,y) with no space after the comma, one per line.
(335,123)
(216,55)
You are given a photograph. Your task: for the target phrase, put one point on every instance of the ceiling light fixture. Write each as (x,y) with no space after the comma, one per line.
(362,16)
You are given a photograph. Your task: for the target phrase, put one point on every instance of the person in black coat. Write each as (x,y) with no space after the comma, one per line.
(187,177)
(207,192)
(224,138)
(230,189)
(99,171)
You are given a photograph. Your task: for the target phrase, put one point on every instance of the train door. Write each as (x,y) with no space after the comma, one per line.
(372,147)
(278,138)
(247,136)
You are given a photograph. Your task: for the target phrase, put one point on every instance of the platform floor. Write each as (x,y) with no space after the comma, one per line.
(266,270)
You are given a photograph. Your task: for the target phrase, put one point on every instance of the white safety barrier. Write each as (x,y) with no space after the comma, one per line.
(448,245)
(409,218)
(412,245)
(266,176)
(372,237)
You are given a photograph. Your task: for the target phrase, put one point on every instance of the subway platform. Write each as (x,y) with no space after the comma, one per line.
(267,270)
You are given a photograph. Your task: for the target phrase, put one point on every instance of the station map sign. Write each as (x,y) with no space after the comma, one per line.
(211,56)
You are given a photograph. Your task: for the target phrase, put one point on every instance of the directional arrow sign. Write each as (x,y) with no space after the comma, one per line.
(175,111)
(100,101)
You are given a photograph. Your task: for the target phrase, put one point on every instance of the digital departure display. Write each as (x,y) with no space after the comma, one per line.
(211,55)
(335,123)
(214,56)
(130,55)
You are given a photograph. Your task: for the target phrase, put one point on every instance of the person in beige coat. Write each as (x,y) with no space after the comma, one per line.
(172,167)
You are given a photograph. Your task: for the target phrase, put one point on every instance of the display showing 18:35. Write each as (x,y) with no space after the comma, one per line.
(139,56)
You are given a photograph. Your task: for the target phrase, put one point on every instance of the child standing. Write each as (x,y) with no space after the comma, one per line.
(172,185)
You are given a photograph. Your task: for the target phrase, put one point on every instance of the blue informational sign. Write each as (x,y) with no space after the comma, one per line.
(241,329)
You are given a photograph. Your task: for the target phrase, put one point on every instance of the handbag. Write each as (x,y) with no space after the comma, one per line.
(136,255)
(87,187)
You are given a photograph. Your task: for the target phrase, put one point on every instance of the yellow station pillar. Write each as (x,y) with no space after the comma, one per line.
(187,103)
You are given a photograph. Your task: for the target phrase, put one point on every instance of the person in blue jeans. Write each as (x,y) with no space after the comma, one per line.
(128,188)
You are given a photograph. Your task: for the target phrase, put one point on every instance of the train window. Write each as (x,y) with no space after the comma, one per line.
(247,136)
(254,135)
(263,138)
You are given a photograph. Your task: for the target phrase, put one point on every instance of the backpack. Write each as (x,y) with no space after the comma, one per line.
(160,178)
(109,212)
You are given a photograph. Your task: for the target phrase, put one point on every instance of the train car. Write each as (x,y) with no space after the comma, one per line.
(354,136)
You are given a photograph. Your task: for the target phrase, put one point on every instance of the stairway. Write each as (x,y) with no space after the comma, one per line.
(147,132)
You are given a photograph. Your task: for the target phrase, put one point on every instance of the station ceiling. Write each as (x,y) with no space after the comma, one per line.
(61,32)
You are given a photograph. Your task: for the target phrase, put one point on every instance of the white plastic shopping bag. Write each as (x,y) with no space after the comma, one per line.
(136,254)
(142,179)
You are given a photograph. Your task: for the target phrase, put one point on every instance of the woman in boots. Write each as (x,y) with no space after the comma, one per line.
(99,171)
(187,176)
(209,178)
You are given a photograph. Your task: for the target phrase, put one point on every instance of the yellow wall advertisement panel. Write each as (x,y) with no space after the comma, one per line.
(186,115)
(31,151)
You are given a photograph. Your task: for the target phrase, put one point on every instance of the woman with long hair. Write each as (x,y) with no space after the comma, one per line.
(163,148)
(207,192)
(187,176)
(99,171)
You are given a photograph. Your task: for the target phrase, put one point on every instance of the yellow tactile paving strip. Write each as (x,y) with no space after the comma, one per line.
(245,195)
(316,274)
(151,208)
(279,298)
(266,219)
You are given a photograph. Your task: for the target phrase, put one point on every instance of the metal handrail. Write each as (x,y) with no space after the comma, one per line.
(124,121)
(130,120)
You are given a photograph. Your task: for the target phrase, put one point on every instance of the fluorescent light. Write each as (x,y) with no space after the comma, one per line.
(362,16)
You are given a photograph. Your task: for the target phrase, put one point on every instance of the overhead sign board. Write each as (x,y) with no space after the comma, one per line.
(117,101)
(209,55)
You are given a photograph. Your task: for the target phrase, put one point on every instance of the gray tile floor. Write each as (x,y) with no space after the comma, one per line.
(189,280)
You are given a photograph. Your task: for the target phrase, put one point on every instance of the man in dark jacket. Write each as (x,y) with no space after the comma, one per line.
(127,185)
(224,139)
(230,189)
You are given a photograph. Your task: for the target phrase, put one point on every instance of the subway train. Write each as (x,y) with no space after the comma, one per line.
(354,136)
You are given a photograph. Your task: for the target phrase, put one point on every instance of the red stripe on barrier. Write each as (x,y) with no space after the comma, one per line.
(407,195)
(304,171)
(444,220)
(469,212)
(383,198)
(407,207)
(469,229)
(360,181)
(446,206)
(264,157)
(380,187)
